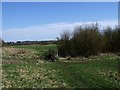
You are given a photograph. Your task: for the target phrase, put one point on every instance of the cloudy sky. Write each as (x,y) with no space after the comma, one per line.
(46,20)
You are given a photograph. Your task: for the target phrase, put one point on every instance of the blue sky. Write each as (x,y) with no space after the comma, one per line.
(41,20)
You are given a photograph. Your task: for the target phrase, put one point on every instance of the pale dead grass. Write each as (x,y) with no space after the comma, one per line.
(19,56)
(18,53)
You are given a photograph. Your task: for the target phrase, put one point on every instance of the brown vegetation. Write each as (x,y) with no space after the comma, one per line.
(89,40)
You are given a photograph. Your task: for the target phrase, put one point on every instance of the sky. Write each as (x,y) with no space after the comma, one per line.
(23,21)
(60,0)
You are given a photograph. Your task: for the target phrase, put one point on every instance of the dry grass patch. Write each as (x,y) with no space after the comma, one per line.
(9,52)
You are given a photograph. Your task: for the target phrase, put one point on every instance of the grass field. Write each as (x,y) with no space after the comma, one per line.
(22,67)
(40,48)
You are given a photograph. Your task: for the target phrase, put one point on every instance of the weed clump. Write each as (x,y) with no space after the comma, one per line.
(50,55)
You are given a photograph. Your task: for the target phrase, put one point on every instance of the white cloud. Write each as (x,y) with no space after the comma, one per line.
(47,31)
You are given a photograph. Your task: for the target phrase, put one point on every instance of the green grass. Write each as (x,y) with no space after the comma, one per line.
(95,72)
(31,75)
(90,74)
(39,48)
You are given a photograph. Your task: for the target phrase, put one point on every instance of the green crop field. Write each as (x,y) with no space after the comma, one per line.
(22,67)
(39,48)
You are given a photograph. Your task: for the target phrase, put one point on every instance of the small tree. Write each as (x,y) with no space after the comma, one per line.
(115,40)
(64,44)
(86,40)
(108,39)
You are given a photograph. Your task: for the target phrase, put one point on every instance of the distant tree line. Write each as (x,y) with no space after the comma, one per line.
(28,43)
(88,40)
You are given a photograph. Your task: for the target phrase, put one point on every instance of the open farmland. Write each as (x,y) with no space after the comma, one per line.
(39,48)
(22,67)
